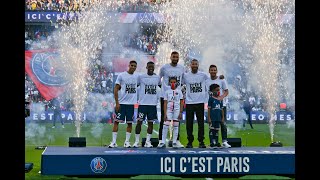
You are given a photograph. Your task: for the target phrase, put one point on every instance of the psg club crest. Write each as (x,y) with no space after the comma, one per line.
(47,68)
(98,165)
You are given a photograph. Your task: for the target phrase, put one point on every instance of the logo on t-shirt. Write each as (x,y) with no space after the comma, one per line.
(150,89)
(130,88)
(195,88)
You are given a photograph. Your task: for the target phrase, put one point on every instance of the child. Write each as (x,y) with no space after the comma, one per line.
(215,117)
(173,106)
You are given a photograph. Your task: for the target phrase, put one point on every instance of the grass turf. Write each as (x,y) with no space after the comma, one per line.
(100,134)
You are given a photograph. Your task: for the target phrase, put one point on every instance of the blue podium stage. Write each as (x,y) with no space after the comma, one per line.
(103,161)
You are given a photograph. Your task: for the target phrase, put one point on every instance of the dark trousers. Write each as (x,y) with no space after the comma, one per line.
(224,132)
(162,120)
(199,110)
(249,120)
(57,115)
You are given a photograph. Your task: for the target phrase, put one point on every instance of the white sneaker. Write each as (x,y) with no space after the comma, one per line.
(179,145)
(161,145)
(175,145)
(226,145)
(53,127)
(62,126)
(135,145)
(112,145)
(148,144)
(127,144)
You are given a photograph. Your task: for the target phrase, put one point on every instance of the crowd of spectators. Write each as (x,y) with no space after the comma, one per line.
(143,42)
(39,37)
(100,81)
(240,59)
(100,76)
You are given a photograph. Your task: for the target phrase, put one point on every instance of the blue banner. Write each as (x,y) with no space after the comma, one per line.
(47,116)
(34,16)
(68,116)
(259,116)
(122,161)
(49,16)
(284,116)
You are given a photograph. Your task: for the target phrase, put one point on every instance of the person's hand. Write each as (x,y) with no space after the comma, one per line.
(117,107)
(220,98)
(221,76)
(165,118)
(209,121)
(180,116)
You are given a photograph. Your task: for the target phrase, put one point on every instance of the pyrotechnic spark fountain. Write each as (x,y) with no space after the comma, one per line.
(265,37)
(79,44)
(210,26)
(214,27)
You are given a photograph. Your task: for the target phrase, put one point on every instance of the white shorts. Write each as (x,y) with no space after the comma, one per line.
(173,115)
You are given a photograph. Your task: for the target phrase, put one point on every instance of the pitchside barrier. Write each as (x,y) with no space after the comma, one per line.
(257,117)
(102,161)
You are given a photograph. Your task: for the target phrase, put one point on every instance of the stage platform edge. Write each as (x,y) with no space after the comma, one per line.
(103,161)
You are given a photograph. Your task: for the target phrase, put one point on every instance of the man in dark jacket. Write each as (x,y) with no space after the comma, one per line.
(56,106)
(247,108)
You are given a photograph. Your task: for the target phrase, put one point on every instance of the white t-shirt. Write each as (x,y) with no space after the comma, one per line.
(168,71)
(195,87)
(173,98)
(104,83)
(252,100)
(148,89)
(128,91)
(223,86)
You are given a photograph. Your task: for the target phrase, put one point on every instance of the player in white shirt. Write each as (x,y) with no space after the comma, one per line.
(167,71)
(195,82)
(214,79)
(173,106)
(127,84)
(148,98)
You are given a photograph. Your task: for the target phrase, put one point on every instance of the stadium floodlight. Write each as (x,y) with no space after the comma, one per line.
(276,144)
(77,142)
(28,167)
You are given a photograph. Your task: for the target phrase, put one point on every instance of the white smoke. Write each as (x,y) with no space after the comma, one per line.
(236,36)
(163,54)
(216,28)
(97,130)
(79,44)
(99,105)
(291,124)
(37,134)
(37,108)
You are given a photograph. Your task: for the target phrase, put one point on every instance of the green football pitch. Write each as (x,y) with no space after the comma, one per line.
(99,134)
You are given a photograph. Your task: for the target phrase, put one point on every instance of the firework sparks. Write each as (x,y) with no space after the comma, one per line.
(79,44)
(212,26)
